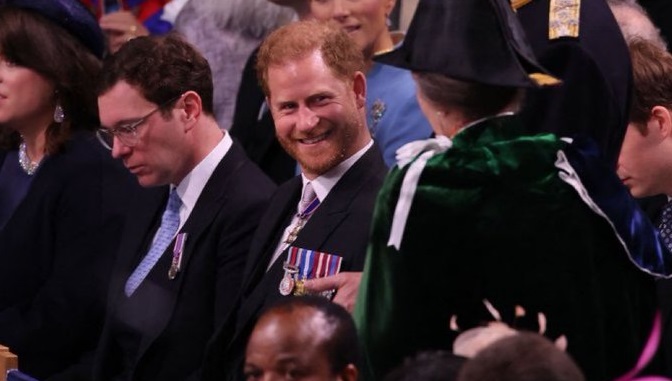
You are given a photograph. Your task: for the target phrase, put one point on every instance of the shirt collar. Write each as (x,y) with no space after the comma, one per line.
(192,185)
(326,181)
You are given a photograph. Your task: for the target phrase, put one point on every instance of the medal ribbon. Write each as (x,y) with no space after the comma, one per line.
(313,264)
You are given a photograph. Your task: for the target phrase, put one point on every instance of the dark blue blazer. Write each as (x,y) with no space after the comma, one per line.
(56,252)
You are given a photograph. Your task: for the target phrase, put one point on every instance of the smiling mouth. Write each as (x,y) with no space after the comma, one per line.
(349,29)
(314,140)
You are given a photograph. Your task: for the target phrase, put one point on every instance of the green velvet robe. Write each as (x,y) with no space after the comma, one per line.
(492,219)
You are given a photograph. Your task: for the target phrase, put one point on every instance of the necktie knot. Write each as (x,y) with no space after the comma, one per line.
(174,202)
(307,197)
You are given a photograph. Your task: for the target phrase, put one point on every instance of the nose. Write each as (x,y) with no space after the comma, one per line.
(308,119)
(119,149)
(340,10)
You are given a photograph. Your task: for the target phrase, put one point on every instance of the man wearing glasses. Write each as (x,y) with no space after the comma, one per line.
(182,255)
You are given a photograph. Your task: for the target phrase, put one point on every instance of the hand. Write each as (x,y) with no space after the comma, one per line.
(345,284)
(121,27)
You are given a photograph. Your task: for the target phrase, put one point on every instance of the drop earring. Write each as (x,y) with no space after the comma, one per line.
(59,114)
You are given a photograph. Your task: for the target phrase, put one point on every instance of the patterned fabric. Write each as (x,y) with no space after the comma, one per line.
(169,224)
(307,197)
(666,225)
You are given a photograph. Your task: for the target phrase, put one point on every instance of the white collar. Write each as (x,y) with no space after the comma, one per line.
(326,181)
(192,185)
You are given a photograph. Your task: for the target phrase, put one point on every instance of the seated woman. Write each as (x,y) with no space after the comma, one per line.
(486,211)
(61,195)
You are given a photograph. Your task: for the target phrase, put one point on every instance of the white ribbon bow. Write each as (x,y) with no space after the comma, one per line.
(426,149)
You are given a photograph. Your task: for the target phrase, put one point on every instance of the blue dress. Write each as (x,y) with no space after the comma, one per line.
(393,114)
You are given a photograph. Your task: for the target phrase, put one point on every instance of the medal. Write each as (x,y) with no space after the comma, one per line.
(176,263)
(287,283)
(299,288)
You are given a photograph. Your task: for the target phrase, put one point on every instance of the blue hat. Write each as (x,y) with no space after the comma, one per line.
(71,15)
(471,40)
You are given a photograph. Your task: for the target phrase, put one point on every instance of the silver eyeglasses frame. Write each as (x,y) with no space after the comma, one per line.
(127,133)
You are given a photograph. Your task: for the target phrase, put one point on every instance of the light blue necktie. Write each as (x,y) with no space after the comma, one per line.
(169,224)
(666,225)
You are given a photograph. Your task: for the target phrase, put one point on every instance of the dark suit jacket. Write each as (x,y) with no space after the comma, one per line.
(594,98)
(56,252)
(175,318)
(340,225)
(653,207)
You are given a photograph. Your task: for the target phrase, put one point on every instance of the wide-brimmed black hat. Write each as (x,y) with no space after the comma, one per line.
(471,40)
(71,15)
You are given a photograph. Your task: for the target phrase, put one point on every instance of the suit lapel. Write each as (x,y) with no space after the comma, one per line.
(336,207)
(141,224)
(269,233)
(209,204)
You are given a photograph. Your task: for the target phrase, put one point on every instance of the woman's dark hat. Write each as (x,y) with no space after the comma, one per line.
(71,15)
(471,40)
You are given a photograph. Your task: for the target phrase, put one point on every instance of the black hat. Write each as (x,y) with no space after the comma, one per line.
(471,40)
(71,15)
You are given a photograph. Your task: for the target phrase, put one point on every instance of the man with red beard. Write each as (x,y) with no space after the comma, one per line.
(317,225)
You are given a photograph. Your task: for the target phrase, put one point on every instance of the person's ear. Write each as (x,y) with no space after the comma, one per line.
(389,6)
(359,88)
(191,109)
(349,373)
(660,122)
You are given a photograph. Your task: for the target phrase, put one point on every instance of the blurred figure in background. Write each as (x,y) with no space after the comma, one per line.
(525,356)
(61,195)
(580,43)
(227,32)
(635,22)
(123,20)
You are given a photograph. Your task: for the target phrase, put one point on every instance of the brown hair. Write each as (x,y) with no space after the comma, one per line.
(161,68)
(652,79)
(299,39)
(474,100)
(30,40)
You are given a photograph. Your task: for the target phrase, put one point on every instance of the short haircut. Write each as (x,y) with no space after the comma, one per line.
(474,100)
(523,357)
(342,347)
(652,79)
(428,366)
(299,39)
(161,68)
(32,41)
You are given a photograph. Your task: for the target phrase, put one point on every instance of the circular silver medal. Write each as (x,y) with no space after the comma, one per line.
(286,285)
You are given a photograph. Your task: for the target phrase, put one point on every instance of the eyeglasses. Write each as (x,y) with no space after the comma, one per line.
(127,133)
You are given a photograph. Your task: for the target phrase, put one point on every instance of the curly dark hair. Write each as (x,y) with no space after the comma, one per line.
(160,68)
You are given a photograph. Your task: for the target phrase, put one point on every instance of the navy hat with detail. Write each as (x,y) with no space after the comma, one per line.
(470,40)
(72,15)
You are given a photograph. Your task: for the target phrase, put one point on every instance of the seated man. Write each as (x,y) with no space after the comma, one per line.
(317,225)
(645,162)
(184,248)
(303,338)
